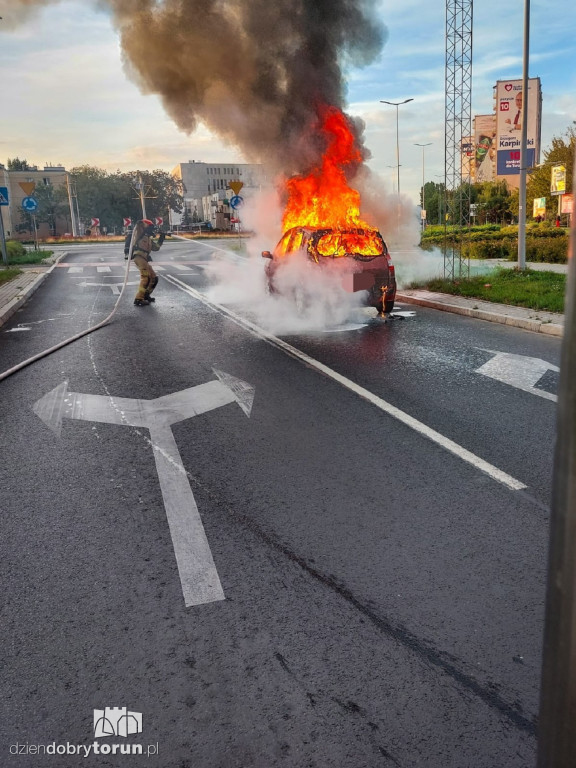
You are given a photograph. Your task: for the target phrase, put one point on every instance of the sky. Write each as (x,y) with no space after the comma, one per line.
(66,99)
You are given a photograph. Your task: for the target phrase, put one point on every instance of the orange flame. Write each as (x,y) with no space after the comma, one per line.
(323,198)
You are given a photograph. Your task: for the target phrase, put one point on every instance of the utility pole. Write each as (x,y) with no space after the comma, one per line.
(423,193)
(70,203)
(140,187)
(556,731)
(523,140)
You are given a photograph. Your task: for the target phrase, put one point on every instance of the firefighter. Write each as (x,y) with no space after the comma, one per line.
(143,244)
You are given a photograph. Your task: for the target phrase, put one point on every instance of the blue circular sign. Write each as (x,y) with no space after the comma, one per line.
(30,204)
(236,201)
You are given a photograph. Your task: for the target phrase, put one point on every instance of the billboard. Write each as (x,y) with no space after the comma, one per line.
(558,180)
(567,203)
(467,158)
(484,148)
(539,208)
(509,112)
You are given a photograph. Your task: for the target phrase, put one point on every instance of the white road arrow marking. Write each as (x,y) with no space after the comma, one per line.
(198,574)
(518,371)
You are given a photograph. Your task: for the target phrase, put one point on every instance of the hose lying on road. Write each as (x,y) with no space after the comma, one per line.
(77,336)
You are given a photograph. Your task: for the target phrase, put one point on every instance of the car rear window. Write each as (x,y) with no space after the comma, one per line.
(338,244)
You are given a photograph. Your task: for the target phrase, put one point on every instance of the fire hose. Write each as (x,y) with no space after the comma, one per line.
(76,336)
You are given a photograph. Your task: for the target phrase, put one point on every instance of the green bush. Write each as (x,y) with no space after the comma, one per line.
(14,249)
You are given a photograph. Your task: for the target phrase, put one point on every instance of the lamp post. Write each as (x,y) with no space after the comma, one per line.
(397,104)
(394,167)
(423,195)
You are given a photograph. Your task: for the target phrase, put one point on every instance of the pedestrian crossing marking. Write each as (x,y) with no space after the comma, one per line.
(103,269)
(75,269)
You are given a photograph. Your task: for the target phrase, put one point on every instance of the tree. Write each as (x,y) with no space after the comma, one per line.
(562,152)
(162,191)
(493,199)
(111,197)
(434,199)
(15,164)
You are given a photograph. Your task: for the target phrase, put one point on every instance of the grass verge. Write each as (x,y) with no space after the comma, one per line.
(30,257)
(529,288)
(9,274)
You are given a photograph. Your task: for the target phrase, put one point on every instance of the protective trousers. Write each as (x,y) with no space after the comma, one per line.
(148,278)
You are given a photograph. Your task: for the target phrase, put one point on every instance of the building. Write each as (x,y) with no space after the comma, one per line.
(21,184)
(206,189)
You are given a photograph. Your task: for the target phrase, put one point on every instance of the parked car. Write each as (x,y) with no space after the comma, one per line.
(372,268)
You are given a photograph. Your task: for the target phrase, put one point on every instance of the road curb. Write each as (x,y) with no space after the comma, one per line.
(14,304)
(538,326)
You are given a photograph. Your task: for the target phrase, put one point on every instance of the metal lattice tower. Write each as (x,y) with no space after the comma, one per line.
(458,126)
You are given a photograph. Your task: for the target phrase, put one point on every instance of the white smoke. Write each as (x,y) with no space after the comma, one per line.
(307,298)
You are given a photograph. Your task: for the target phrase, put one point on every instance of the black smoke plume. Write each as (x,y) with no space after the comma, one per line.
(253,71)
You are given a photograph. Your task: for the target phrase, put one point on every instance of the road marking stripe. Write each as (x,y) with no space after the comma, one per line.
(103,269)
(383,405)
(75,269)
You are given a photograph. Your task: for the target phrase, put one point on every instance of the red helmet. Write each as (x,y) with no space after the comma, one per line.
(148,222)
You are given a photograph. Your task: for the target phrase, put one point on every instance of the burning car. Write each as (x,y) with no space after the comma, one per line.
(369,265)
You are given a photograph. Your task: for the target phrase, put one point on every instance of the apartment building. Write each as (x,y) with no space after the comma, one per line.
(16,183)
(206,187)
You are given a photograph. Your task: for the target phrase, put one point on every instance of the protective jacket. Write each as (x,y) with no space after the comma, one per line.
(144,246)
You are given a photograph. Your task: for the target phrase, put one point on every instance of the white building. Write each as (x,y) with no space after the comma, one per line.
(206,184)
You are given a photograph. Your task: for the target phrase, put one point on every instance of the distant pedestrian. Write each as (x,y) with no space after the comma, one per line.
(143,244)
(557,221)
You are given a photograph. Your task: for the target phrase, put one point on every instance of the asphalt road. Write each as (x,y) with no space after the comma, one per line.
(377,527)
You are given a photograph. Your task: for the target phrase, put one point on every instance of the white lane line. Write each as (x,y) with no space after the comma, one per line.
(184,268)
(103,269)
(231,254)
(75,269)
(383,405)
(158,268)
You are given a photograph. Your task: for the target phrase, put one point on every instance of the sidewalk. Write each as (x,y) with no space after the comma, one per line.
(550,323)
(16,292)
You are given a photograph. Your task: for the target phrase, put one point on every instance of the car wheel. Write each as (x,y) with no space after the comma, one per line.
(388,306)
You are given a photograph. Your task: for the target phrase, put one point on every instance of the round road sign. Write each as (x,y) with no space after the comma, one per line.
(236,201)
(30,204)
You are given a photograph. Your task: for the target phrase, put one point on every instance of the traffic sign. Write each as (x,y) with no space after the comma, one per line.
(127,221)
(159,221)
(30,204)
(236,201)
(27,187)
(4,196)
(95,222)
(236,186)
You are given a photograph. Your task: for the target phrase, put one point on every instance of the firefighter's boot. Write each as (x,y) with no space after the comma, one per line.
(141,302)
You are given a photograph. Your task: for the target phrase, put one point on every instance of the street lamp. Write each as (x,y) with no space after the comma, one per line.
(423,196)
(394,167)
(397,104)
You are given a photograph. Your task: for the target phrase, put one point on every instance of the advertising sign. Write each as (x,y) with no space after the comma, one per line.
(558,180)
(484,148)
(539,207)
(467,157)
(567,203)
(509,114)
